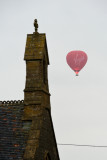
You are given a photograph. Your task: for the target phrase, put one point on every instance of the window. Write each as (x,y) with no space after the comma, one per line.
(27,124)
(48,157)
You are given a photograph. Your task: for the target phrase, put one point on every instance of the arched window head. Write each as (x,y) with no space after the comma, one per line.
(47,157)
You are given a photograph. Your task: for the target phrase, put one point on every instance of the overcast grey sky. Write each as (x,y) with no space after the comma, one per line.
(79,104)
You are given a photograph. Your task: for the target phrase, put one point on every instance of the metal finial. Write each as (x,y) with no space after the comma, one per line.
(36,25)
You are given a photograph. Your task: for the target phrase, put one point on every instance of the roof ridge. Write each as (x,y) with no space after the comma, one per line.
(12,102)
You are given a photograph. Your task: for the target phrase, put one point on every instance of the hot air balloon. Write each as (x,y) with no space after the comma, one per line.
(76,60)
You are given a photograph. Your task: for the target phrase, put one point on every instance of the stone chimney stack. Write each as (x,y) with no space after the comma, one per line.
(36,91)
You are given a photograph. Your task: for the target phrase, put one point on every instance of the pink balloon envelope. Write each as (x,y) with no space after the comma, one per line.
(76,60)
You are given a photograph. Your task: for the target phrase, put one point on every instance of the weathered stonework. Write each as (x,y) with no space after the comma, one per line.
(26,128)
(41,144)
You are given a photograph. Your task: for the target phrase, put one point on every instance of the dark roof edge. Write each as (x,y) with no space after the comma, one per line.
(12,102)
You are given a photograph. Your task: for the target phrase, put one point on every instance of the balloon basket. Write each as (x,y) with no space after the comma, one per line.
(76,73)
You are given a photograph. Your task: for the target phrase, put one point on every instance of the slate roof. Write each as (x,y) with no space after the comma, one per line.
(12,136)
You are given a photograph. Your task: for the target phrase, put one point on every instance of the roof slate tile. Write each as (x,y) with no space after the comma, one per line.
(12,136)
